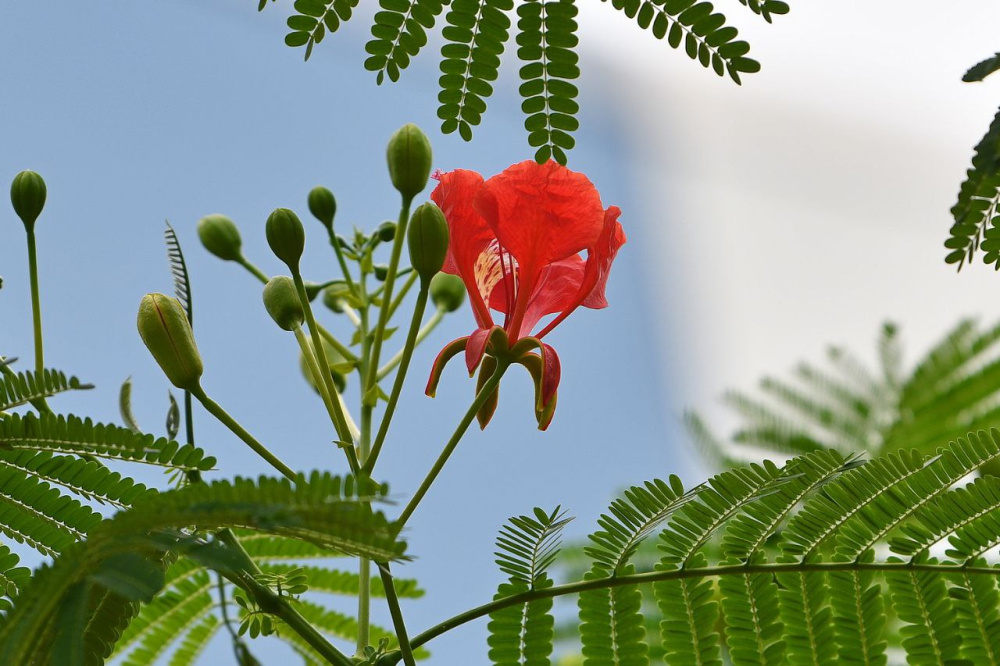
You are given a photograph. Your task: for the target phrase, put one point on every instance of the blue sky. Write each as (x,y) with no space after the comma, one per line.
(139,112)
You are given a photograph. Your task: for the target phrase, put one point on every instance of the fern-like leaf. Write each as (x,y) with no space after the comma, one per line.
(750,611)
(766,8)
(859,619)
(546,39)
(178,269)
(704,34)
(314,18)
(977,605)
(982,69)
(475,35)
(930,633)
(690,614)
(72,435)
(21,388)
(976,225)
(398,34)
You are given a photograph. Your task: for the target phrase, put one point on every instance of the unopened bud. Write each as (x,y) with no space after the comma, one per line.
(27,194)
(409,156)
(336,295)
(164,327)
(323,205)
(381,271)
(220,236)
(447,291)
(286,237)
(386,231)
(427,237)
(282,302)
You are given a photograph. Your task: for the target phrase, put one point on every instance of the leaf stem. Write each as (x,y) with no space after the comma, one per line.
(397,614)
(679,574)
(431,324)
(463,425)
(218,412)
(343,262)
(314,370)
(339,419)
(367,409)
(397,386)
(36,307)
(390,278)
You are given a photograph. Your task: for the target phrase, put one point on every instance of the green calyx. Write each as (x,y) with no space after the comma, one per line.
(220,236)
(447,292)
(427,237)
(164,328)
(409,157)
(282,302)
(323,205)
(386,231)
(27,195)
(286,237)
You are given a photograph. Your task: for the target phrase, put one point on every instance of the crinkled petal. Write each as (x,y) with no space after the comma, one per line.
(541,213)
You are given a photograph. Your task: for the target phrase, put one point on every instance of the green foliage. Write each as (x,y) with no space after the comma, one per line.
(849,407)
(527,546)
(476,33)
(123,558)
(58,434)
(982,69)
(24,387)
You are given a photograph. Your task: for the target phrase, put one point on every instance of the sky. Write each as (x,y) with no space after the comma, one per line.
(136,113)
(765,221)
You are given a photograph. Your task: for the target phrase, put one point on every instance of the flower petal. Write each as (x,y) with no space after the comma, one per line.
(476,347)
(470,235)
(541,213)
(450,350)
(557,289)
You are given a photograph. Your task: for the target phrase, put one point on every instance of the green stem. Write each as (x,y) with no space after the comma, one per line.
(274,604)
(397,614)
(429,327)
(679,574)
(343,262)
(367,408)
(390,278)
(488,388)
(364,603)
(36,307)
(339,419)
(314,370)
(397,386)
(256,272)
(402,294)
(218,412)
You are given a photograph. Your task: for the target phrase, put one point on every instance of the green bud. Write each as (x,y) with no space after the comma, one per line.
(381,271)
(286,237)
(409,157)
(282,302)
(334,357)
(386,231)
(165,329)
(427,237)
(27,194)
(447,291)
(336,296)
(220,236)
(323,205)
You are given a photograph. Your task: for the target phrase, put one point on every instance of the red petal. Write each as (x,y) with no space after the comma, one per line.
(558,289)
(541,213)
(597,269)
(469,234)
(476,347)
(450,350)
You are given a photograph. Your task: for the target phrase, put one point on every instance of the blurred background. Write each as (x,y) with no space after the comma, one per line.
(764,222)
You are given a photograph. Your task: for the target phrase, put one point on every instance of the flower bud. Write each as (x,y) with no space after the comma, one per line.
(220,236)
(27,194)
(286,237)
(381,271)
(336,296)
(447,291)
(409,157)
(427,237)
(386,231)
(282,302)
(334,358)
(323,205)
(165,329)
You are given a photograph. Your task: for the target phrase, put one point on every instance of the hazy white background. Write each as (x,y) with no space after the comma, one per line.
(764,222)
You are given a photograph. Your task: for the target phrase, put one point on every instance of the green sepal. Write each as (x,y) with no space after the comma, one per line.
(486,370)
(543,413)
(452,349)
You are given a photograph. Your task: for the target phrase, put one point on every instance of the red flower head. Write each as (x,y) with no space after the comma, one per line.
(516,241)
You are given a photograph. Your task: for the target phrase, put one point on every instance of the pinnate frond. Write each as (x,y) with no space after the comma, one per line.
(313,19)
(21,388)
(398,34)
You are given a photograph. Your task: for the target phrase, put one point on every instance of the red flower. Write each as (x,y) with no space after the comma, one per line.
(516,241)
